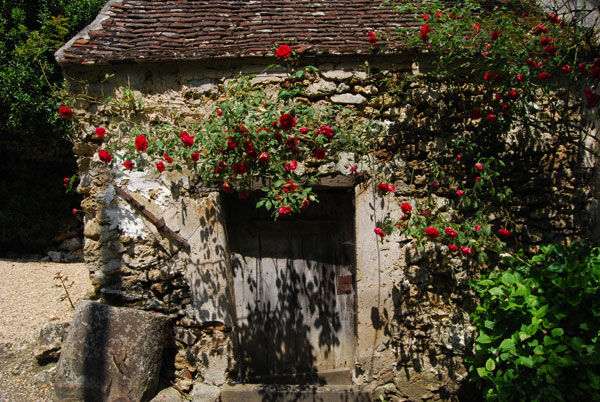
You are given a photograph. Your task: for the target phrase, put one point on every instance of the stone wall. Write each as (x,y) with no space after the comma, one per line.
(413,329)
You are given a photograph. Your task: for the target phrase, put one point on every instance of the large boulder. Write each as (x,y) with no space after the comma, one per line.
(111,354)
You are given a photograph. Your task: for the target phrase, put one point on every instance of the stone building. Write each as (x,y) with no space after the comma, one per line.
(315,300)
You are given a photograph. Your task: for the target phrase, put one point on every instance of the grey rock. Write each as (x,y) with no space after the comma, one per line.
(55,256)
(205,393)
(72,244)
(320,88)
(349,99)
(338,75)
(49,342)
(167,395)
(111,354)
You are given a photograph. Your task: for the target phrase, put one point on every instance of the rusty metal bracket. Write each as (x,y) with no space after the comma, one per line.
(158,223)
(344,284)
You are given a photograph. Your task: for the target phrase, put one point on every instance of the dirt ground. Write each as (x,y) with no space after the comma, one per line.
(30,297)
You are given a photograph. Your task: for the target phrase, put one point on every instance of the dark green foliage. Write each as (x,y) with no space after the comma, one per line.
(35,154)
(538,325)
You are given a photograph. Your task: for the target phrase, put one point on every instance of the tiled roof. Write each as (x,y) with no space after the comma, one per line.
(169,30)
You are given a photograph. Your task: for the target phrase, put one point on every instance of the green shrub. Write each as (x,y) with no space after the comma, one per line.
(35,153)
(538,324)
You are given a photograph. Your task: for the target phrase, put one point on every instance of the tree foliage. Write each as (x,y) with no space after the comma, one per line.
(36,155)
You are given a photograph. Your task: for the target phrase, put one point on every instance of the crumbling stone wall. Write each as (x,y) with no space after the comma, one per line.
(413,329)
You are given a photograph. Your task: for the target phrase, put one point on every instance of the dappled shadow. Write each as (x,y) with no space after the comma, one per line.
(292,324)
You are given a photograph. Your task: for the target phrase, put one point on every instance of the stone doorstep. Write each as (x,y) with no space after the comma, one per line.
(292,393)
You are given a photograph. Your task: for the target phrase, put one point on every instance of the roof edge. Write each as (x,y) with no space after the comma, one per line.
(103,15)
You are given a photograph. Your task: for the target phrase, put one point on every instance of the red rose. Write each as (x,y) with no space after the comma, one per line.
(504,233)
(305,203)
(591,97)
(383,187)
(187,140)
(66,180)
(372,38)
(426,17)
(541,29)
(104,156)
(498,97)
(466,251)
(475,114)
(160,167)
(128,165)
(226,187)
(100,132)
(595,73)
(406,208)
(379,232)
(452,247)
(239,168)
(304,130)
(450,232)
(553,18)
(231,144)
(477,178)
(425,29)
(551,50)
(520,77)
(478,166)
(459,193)
(326,131)
(581,67)
(263,157)
(284,210)
(287,121)
(74,211)
(566,68)
(141,143)
(496,34)
(513,94)
(545,41)
(544,76)
(435,185)
(167,158)
(195,156)
(477,227)
(283,51)
(490,117)
(65,112)
(219,112)
(432,233)
(459,157)
(320,154)
(291,165)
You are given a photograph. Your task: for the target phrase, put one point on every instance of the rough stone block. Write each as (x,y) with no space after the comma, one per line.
(49,342)
(205,393)
(349,99)
(111,354)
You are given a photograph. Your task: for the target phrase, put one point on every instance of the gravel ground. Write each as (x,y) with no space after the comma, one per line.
(30,297)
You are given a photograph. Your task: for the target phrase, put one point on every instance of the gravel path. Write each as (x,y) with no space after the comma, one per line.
(29,299)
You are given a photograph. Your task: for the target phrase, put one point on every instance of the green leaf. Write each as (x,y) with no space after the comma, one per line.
(507,344)
(483,338)
(525,361)
(490,364)
(556,332)
(508,278)
(299,73)
(483,372)
(556,267)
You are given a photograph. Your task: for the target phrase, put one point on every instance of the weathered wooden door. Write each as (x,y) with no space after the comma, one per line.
(294,288)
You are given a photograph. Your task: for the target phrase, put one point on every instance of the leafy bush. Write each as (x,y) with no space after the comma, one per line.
(36,155)
(538,327)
